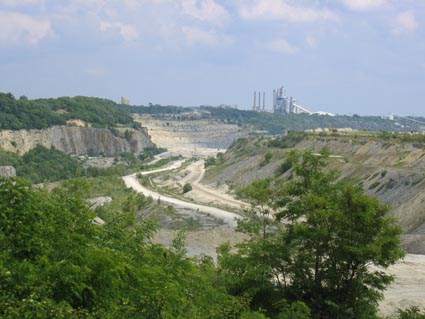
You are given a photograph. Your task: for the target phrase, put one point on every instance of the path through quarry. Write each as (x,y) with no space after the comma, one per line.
(408,288)
(131,181)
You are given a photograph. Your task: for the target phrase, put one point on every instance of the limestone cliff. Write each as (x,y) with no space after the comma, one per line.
(75,140)
(178,135)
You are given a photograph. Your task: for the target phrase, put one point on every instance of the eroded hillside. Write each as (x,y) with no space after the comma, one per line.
(392,171)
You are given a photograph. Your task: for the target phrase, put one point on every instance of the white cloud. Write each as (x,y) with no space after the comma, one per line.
(282,46)
(364,5)
(18,28)
(207,10)
(198,36)
(127,31)
(405,22)
(283,10)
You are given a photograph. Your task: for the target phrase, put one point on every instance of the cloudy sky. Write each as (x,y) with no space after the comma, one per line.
(341,56)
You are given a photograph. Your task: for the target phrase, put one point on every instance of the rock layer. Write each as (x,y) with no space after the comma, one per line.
(74,140)
(7,171)
(190,135)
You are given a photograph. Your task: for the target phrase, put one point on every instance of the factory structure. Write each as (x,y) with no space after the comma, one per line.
(281,103)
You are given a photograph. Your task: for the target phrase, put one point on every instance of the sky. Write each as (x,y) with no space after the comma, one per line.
(363,57)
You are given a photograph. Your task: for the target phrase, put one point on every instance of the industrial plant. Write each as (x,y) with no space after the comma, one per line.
(281,103)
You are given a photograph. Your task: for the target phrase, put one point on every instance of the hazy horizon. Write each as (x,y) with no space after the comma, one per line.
(363,57)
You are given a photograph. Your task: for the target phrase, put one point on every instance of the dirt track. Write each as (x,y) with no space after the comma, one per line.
(206,194)
(131,181)
(407,289)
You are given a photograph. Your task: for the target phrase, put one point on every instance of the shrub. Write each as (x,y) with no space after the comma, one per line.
(187,188)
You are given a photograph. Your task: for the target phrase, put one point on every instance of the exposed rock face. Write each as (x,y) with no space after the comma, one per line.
(392,172)
(74,140)
(189,135)
(7,171)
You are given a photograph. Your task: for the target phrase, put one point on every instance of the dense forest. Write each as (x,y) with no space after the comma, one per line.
(23,113)
(57,263)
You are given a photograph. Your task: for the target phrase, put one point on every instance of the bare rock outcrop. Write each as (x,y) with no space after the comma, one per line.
(177,134)
(74,140)
(7,171)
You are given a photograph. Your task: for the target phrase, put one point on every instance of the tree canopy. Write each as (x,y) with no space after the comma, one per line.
(56,263)
(319,249)
(23,113)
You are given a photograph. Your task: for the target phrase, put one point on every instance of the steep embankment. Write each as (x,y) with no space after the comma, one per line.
(392,171)
(75,140)
(194,136)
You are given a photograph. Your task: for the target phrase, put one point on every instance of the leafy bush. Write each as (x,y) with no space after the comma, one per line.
(56,263)
(187,188)
(267,158)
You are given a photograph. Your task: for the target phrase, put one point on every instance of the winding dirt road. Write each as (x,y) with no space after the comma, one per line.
(206,194)
(229,218)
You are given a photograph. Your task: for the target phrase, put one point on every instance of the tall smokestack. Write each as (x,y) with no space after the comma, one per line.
(264,101)
(259,100)
(255,100)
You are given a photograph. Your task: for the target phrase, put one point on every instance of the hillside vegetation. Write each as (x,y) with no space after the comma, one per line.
(22,113)
(274,123)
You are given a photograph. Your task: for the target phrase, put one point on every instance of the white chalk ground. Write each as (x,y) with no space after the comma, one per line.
(228,218)
(408,288)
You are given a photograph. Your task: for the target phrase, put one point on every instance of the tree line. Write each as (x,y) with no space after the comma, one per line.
(22,113)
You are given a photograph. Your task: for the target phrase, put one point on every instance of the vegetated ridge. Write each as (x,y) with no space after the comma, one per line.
(275,123)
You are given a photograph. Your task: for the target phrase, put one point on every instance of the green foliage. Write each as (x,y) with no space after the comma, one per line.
(9,158)
(56,263)
(267,158)
(214,160)
(410,313)
(150,152)
(287,141)
(373,185)
(284,167)
(322,256)
(43,113)
(42,165)
(187,188)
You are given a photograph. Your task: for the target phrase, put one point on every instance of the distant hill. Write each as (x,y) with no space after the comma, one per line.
(22,113)
(273,123)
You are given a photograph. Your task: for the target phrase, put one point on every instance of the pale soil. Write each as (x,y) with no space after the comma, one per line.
(205,194)
(203,242)
(408,289)
(131,181)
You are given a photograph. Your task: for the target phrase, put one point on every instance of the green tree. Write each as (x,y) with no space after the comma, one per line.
(56,263)
(333,233)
